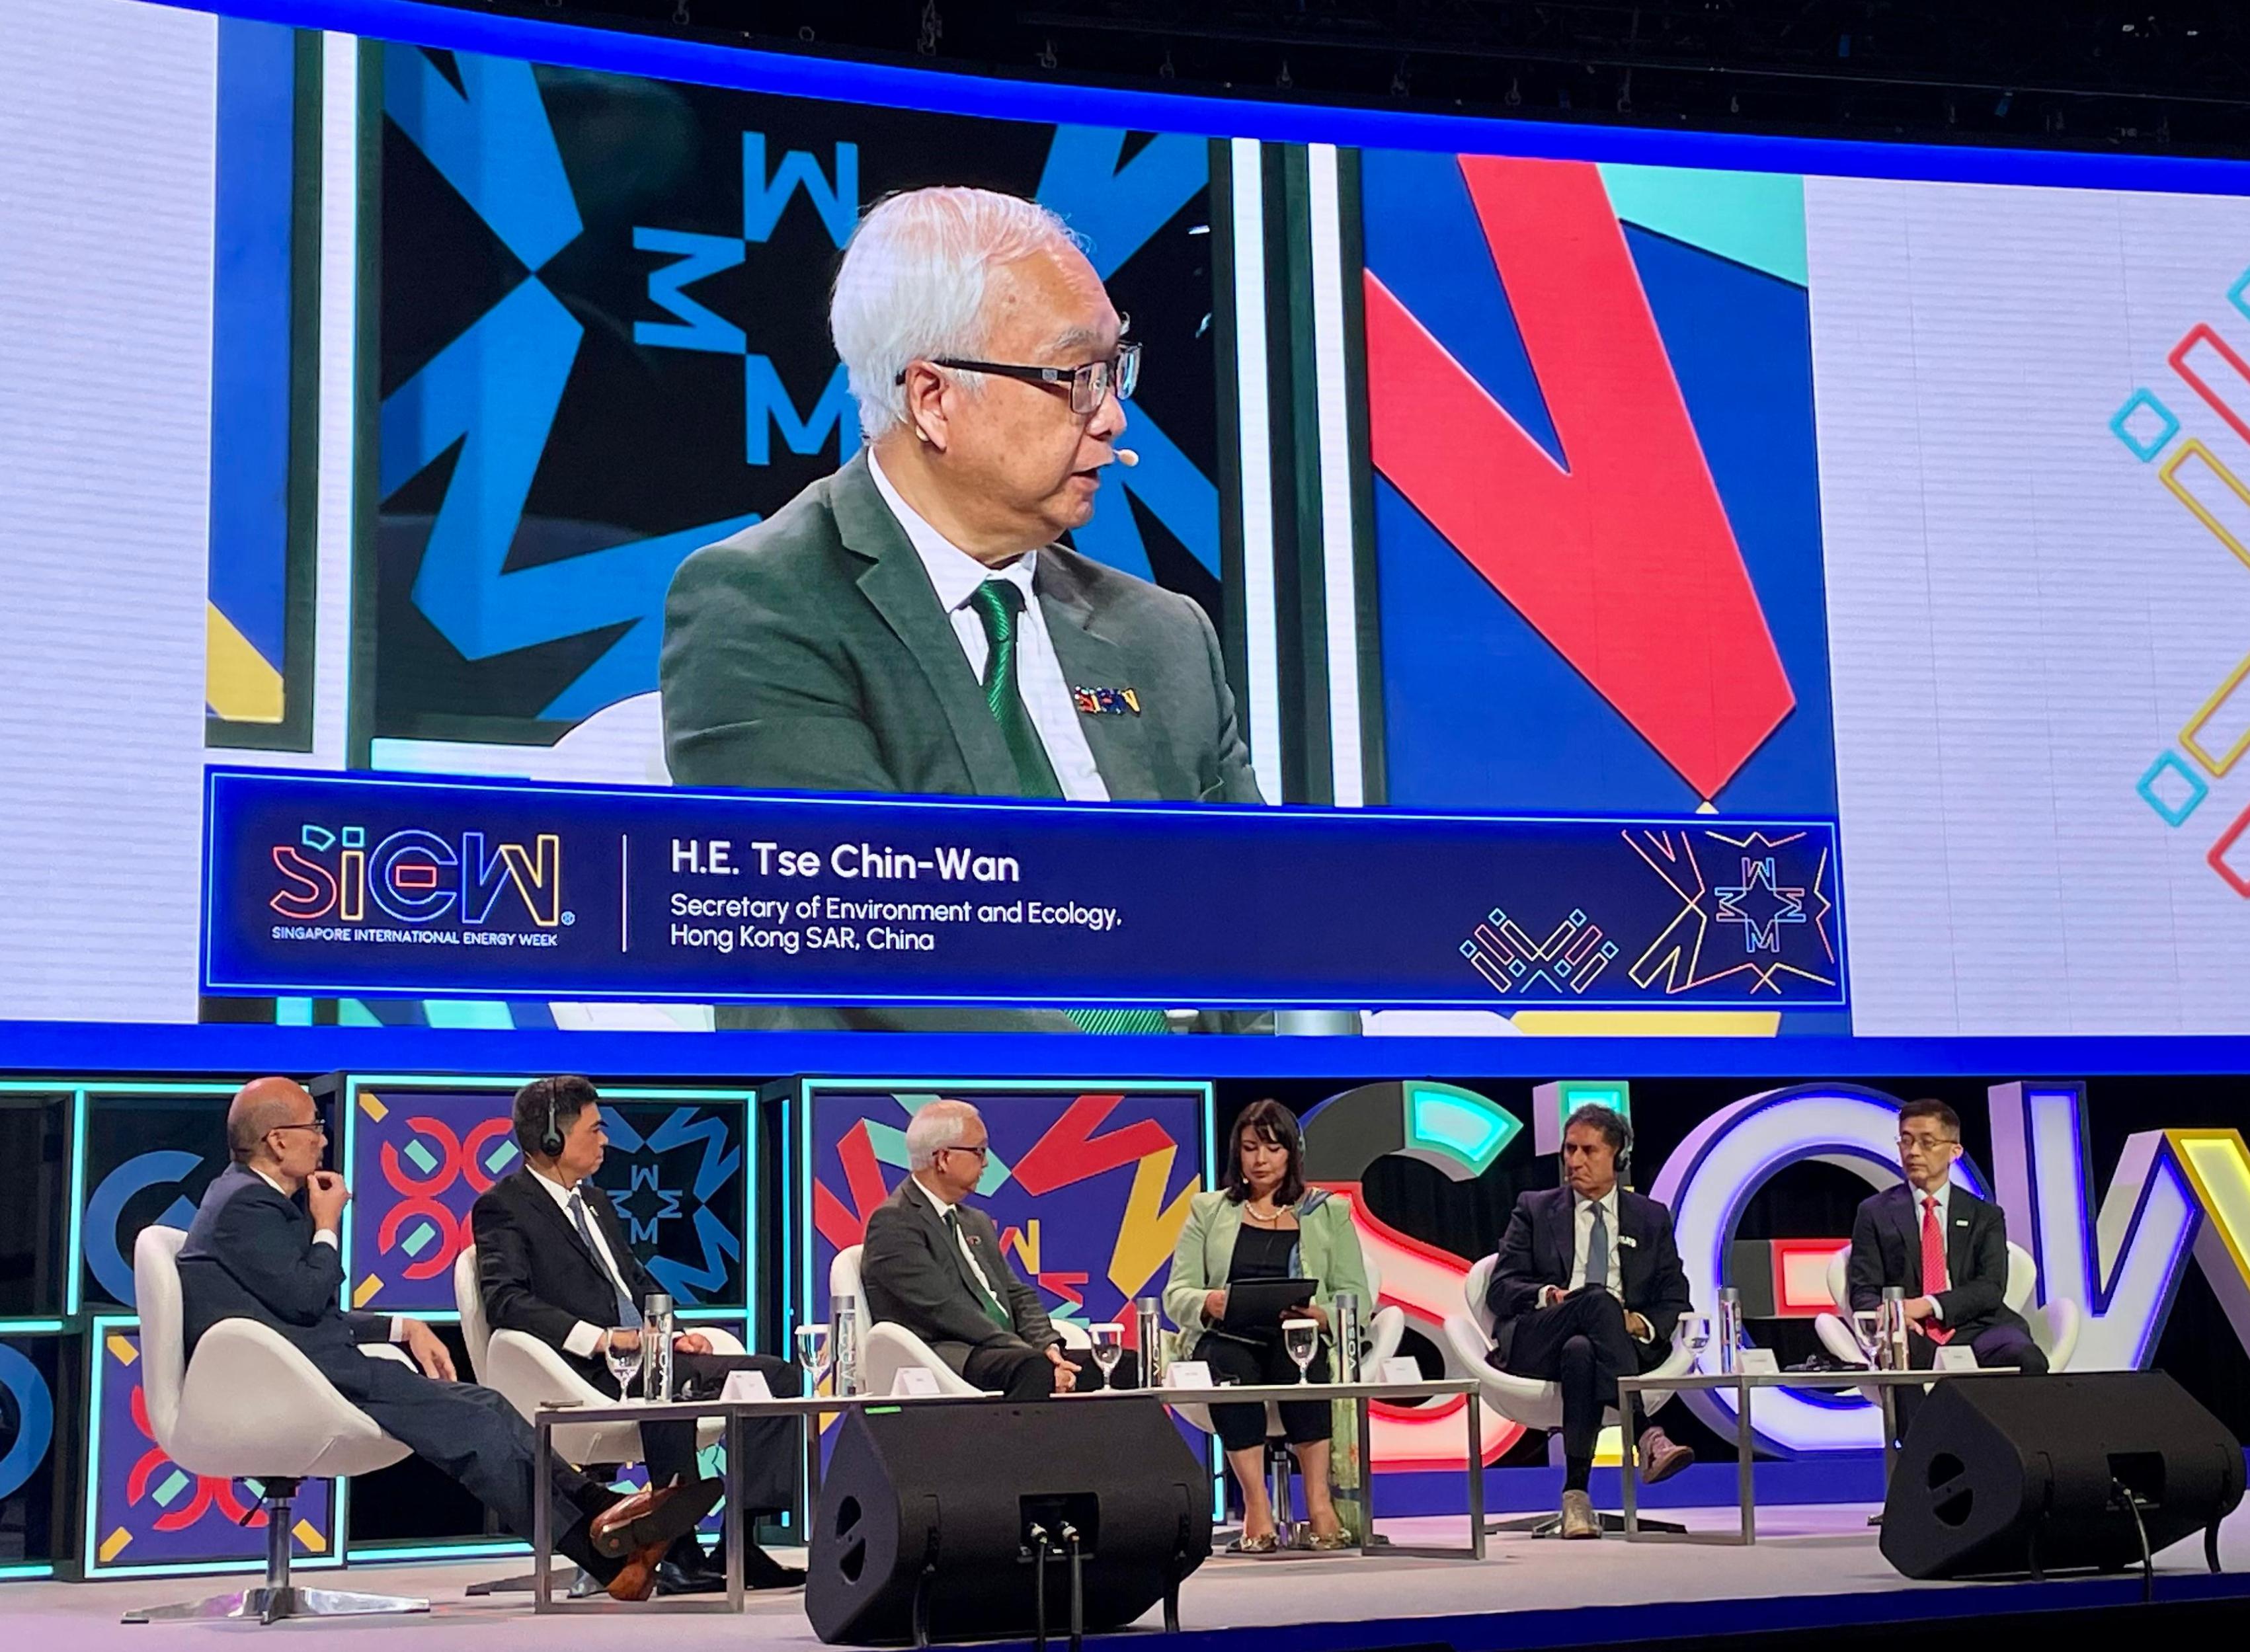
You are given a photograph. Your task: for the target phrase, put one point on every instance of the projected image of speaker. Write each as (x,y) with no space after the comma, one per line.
(930,1518)
(2005,1475)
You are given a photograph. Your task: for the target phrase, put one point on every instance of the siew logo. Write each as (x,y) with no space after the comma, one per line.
(415,877)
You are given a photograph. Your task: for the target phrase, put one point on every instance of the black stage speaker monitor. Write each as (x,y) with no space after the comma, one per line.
(2031,1474)
(939,1501)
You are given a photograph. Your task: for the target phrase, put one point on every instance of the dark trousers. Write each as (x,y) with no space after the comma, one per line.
(478,1439)
(1017,1371)
(769,1443)
(1243,1428)
(1582,1344)
(1995,1346)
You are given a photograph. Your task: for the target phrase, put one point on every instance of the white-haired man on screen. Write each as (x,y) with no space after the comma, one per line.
(933,1263)
(909,623)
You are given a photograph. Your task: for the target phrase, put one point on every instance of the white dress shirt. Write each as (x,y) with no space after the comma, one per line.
(584,1340)
(954,576)
(961,1239)
(1943,1195)
(328,1236)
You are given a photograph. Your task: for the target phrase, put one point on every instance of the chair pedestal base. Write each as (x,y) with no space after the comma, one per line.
(578,1584)
(273,1606)
(1550,1526)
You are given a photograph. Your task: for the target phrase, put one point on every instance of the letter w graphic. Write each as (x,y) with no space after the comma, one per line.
(1622,558)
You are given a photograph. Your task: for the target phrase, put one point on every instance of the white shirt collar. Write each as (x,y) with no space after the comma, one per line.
(952,573)
(943,1205)
(1608,1202)
(1943,1195)
(556,1190)
(269,1181)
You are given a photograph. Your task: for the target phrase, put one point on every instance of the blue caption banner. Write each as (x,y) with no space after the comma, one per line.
(355,884)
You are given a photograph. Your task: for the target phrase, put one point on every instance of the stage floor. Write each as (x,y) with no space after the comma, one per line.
(1812,1567)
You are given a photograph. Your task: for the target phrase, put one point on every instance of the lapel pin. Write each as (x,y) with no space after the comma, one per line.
(1106,702)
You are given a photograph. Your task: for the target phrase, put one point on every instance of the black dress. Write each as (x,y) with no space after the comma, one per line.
(1256,1354)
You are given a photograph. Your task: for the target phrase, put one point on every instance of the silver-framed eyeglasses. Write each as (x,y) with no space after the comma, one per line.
(1088,385)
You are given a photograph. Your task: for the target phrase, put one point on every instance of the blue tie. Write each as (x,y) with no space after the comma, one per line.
(627,1314)
(1598,1251)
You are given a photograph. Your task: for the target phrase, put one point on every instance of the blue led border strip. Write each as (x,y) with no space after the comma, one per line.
(621,52)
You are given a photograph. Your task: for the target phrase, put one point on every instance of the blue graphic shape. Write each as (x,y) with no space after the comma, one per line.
(2145,451)
(494,391)
(1166,481)
(35,1419)
(689,1283)
(2239,294)
(694,256)
(1114,211)
(767,408)
(2197,790)
(764,199)
(686,1127)
(317,837)
(667,1205)
(622,1135)
(103,1255)
(495,145)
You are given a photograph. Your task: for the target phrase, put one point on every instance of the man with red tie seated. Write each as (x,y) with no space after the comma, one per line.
(553,1262)
(1587,1288)
(1946,1249)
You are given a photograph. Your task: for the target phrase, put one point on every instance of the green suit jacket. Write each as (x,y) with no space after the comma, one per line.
(1327,1252)
(808,653)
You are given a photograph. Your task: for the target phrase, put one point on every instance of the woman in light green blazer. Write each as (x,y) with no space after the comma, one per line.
(1264,1222)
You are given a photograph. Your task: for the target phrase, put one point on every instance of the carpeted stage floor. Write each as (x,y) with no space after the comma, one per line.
(1812,1568)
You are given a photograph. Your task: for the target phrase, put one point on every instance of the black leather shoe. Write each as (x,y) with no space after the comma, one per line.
(673,1578)
(761,1571)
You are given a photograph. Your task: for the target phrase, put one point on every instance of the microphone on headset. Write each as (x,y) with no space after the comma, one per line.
(1127,458)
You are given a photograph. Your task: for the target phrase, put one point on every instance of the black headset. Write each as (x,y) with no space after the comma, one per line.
(550,1138)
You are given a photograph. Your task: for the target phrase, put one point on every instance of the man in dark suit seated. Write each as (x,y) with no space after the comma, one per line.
(934,1264)
(553,1262)
(1587,1288)
(1946,1249)
(263,1247)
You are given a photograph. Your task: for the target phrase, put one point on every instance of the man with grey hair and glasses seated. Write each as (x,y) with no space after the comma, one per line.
(934,1264)
(911,624)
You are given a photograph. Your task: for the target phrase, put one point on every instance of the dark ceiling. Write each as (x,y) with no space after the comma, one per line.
(2158,76)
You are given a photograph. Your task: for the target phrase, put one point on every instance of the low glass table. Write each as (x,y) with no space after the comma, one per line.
(1885,1383)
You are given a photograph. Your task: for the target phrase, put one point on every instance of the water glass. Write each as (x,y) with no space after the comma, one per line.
(621,1351)
(1867,1332)
(1108,1348)
(1695,1333)
(1300,1339)
(812,1354)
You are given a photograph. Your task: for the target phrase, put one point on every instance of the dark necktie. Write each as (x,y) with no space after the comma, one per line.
(999,604)
(990,1303)
(580,1218)
(1597,1250)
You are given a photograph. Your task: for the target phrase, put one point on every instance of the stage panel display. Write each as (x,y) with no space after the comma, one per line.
(419,1151)
(1657,478)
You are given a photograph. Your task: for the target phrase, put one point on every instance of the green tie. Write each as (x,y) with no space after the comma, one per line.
(993,1310)
(998,604)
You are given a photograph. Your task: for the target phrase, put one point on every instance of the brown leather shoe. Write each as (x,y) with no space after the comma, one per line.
(636,1576)
(1579,1520)
(1659,1457)
(660,1517)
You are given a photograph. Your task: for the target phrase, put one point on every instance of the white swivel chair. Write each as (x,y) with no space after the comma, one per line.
(1531,1402)
(2054,1327)
(1386,1330)
(529,1374)
(887,1349)
(251,1406)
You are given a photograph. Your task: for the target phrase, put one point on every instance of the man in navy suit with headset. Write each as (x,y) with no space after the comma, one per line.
(1587,1288)
(553,1262)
